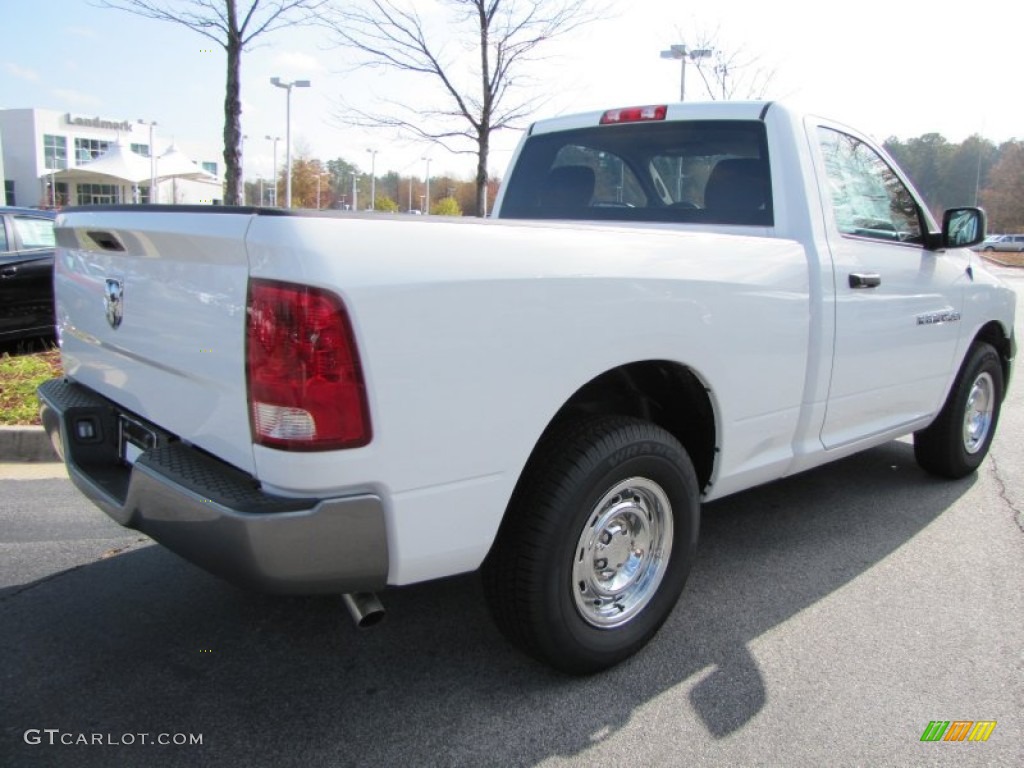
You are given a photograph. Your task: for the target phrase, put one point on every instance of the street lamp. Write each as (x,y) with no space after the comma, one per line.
(152,160)
(426,210)
(288,131)
(683,53)
(373,179)
(275,139)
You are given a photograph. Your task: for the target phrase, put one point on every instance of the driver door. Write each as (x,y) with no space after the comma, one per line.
(897,305)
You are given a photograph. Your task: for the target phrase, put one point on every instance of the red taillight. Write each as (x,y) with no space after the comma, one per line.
(634,114)
(306,389)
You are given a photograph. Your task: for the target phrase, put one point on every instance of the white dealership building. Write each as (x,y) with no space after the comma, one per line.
(56,159)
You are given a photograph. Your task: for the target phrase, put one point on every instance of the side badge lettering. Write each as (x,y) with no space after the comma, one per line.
(934,318)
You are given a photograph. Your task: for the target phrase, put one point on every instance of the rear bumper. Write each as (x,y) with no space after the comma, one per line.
(211,513)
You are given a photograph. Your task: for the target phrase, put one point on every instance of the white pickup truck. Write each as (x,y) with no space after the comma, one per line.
(670,304)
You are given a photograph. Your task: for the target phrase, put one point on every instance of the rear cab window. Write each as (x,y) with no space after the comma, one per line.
(697,171)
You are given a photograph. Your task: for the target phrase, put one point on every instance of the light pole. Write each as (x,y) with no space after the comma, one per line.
(275,139)
(683,53)
(373,179)
(319,176)
(426,209)
(152,160)
(342,181)
(288,131)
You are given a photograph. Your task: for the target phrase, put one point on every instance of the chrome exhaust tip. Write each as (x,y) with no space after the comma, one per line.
(364,607)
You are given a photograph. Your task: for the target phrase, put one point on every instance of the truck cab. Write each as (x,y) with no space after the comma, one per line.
(878,263)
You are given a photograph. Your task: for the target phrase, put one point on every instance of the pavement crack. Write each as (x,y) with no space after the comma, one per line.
(1018,514)
(14,592)
(17,591)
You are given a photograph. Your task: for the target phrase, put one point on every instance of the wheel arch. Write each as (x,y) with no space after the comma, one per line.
(993,333)
(665,393)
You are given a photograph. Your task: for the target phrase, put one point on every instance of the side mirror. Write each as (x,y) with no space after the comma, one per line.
(963,227)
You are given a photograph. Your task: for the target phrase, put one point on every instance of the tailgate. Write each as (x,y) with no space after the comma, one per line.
(151,314)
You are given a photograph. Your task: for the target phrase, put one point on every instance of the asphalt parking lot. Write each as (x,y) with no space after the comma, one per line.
(830,618)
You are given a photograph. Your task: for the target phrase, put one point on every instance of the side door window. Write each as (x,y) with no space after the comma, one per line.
(868,198)
(34,232)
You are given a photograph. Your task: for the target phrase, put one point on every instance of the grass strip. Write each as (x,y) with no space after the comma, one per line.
(19,377)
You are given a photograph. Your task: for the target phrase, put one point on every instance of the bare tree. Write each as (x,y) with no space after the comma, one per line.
(505,36)
(220,21)
(736,75)
(730,72)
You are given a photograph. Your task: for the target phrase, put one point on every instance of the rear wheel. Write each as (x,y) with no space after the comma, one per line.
(597,543)
(958,440)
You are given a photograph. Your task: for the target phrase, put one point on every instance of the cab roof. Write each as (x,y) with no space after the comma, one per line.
(691,110)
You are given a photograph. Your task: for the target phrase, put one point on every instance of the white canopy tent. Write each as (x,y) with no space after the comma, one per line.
(121,168)
(118,166)
(175,164)
(117,163)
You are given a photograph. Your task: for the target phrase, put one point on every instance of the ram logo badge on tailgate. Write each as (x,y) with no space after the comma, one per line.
(113,300)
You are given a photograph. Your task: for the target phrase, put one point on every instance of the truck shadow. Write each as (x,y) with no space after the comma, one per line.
(144,643)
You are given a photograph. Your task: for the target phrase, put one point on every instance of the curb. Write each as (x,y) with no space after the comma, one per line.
(1001,263)
(26,444)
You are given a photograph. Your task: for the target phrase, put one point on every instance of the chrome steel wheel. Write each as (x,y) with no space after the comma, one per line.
(979,413)
(622,553)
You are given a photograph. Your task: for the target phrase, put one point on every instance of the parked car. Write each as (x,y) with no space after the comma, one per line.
(1002,243)
(26,273)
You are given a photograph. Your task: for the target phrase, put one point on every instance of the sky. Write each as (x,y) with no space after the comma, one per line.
(884,67)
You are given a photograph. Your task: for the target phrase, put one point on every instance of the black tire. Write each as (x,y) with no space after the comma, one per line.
(956,443)
(598,490)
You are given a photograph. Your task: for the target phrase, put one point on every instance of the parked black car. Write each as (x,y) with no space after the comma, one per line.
(26,273)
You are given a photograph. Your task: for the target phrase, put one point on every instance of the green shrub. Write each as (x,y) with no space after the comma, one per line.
(447,206)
